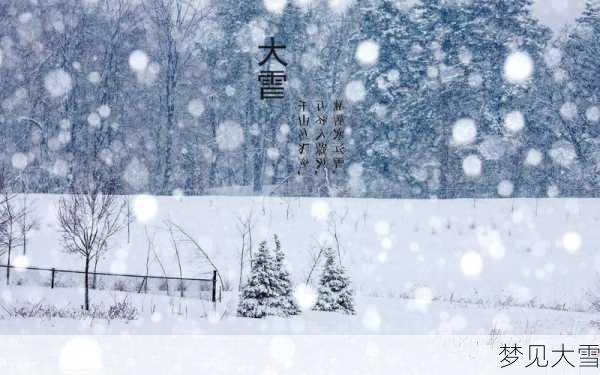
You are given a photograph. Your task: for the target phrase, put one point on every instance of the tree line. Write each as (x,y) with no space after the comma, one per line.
(136,94)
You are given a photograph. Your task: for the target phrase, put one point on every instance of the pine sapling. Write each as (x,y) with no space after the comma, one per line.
(335,292)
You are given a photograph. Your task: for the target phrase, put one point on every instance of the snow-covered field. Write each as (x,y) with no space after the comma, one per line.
(460,266)
(182,316)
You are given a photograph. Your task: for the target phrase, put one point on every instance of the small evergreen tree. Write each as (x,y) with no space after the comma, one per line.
(285,302)
(335,292)
(258,296)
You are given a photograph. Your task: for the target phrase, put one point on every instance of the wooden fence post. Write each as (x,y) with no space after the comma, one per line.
(52,281)
(214,286)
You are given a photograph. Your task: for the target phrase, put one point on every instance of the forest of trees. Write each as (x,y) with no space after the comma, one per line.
(161,96)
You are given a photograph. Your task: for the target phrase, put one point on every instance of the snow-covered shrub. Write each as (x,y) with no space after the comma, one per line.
(285,301)
(122,310)
(258,297)
(335,292)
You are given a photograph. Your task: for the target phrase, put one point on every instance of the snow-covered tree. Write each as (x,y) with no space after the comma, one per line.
(335,292)
(574,96)
(465,48)
(383,135)
(285,299)
(259,295)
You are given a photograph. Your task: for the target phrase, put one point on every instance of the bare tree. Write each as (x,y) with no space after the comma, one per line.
(245,225)
(13,221)
(176,249)
(28,221)
(315,259)
(333,229)
(88,220)
(177,24)
(149,248)
(187,238)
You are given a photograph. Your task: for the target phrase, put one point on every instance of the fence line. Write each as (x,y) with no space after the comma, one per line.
(93,276)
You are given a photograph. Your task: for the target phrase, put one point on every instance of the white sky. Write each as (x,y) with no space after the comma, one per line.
(557,13)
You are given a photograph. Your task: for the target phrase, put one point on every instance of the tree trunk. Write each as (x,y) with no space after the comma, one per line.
(8,266)
(242,265)
(87,291)
(24,229)
(95,268)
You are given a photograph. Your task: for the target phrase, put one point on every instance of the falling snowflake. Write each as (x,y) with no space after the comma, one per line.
(273,153)
(475,80)
(553,57)
(367,53)
(150,74)
(491,240)
(145,208)
(60,168)
(58,83)
(355,91)
(423,296)
(464,132)
(275,6)
(518,67)
(195,107)
(472,166)
(553,191)
(571,242)
(156,317)
(563,153)
(493,147)
(229,90)
(21,261)
(305,297)
(433,72)
(393,75)
(568,111)
(178,194)
(514,122)
(372,319)
(94,77)
(471,264)
(94,120)
(138,61)
(533,158)
(339,6)
(505,188)
(320,210)
(386,243)
(104,111)
(19,160)
(229,135)
(136,174)
(593,114)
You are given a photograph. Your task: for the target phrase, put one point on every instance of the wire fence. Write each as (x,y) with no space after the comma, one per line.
(202,288)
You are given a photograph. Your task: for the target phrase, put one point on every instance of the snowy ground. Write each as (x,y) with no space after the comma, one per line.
(173,315)
(474,266)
